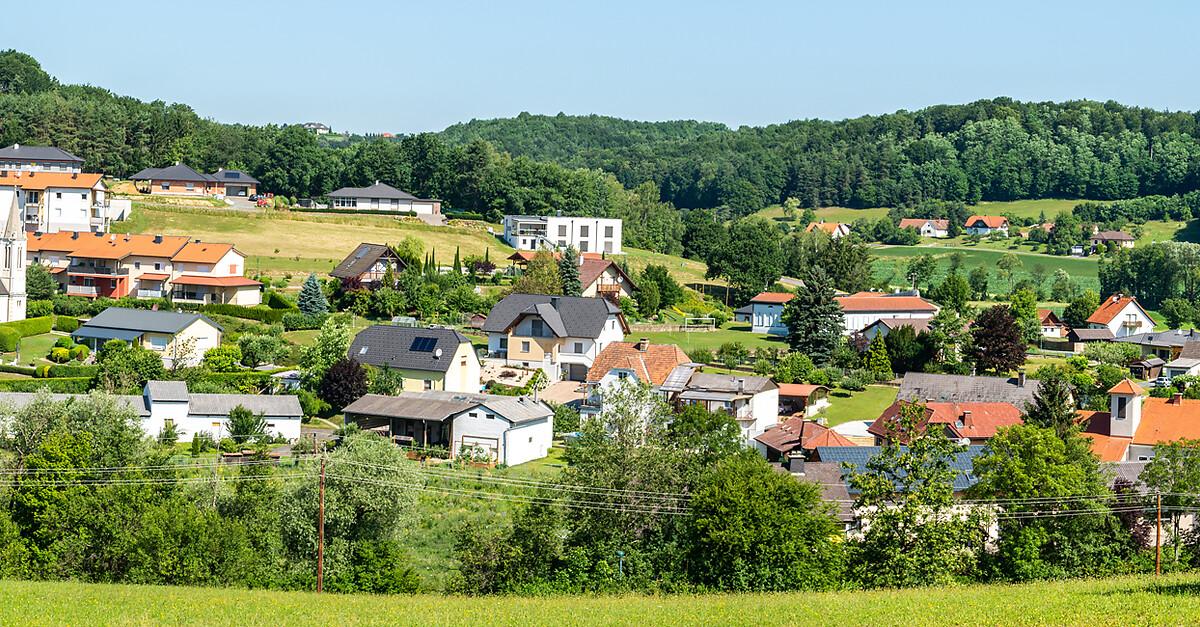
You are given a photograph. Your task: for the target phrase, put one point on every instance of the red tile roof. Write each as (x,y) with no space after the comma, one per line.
(857,302)
(992,222)
(799,389)
(1164,421)
(215,281)
(106,245)
(1108,448)
(802,433)
(1126,387)
(43,180)
(1111,307)
(525,256)
(590,269)
(828,227)
(916,223)
(152,276)
(202,252)
(651,366)
(1049,318)
(982,421)
(774,298)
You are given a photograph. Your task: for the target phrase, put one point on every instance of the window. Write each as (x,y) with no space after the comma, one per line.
(374,203)
(58,195)
(622,376)
(583,246)
(31,197)
(233,268)
(464,362)
(83,196)
(583,231)
(428,384)
(191,187)
(112,283)
(157,266)
(270,425)
(608,247)
(562,230)
(524,347)
(349,203)
(137,265)
(608,231)
(395,203)
(200,268)
(578,347)
(166,185)
(503,343)
(491,416)
(88,282)
(539,328)
(158,343)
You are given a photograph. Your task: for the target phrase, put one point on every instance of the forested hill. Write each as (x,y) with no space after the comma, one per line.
(997,149)
(566,138)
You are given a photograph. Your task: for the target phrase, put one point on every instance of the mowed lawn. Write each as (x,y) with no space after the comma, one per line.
(1143,600)
(889,258)
(712,340)
(845,406)
(1019,208)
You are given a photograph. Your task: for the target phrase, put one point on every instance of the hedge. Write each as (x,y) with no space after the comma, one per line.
(66,385)
(25,370)
(275,300)
(372,212)
(300,321)
(39,308)
(31,326)
(73,372)
(233,378)
(10,339)
(66,324)
(269,316)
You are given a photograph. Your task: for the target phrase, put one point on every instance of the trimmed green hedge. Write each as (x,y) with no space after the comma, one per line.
(10,339)
(372,212)
(275,300)
(68,385)
(25,370)
(66,324)
(73,372)
(31,326)
(269,316)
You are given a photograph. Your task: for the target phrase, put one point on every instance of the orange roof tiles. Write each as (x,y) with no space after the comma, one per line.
(217,281)
(201,252)
(1111,307)
(885,303)
(982,421)
(1126,387)
(916,223)
(527,255)
(122,245)
(828,227)
(43,180)
(799,389)
(1108,448)
(992,222)
(774,298)
(651,366)
(799,432)
(1164,421)
(1049,318)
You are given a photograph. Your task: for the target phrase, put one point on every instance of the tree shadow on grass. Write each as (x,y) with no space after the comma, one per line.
(1189,233)
(1191,589)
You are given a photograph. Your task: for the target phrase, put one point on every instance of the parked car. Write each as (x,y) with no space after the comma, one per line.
(1162,382)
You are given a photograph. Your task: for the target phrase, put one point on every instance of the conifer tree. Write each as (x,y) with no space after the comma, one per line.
(312,299)
(457,265)
(877,356)
(814,319)
(568,271)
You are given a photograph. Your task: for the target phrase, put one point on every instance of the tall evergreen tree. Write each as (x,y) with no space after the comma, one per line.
(1053,406)
(312,299)
(568,271)
(814,319)
(457,264)
(877,356)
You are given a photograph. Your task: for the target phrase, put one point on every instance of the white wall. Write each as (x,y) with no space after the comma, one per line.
(509,444)
(768,318)
(858,320)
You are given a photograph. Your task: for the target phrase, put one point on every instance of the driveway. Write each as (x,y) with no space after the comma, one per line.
(563,392)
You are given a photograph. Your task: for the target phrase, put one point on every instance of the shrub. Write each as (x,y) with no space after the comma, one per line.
(566,419)
(64,342)
(228,445)
(25,370)
(818,377)
(60,355)
(700,356)
(223,358)
(56,386)
(39,308)
(66,324)
(10,339)
(31,326)
(297,321)
(72,371)
(79,353)
(763,367)
(275,300)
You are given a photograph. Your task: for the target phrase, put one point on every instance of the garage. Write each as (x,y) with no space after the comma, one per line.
(237,190)
(575,372)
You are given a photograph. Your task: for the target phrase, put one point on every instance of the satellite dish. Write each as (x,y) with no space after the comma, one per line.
(437,354)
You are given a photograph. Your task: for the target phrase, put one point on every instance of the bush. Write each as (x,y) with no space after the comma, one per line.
(39,308)
(60,355)
(857,381)
(10,339)
(228,445)
(297,321)
(25,370)
(269,316)
(72,385)
(818,377)
(566,419)
(72,371)
(763,367)
(700,356)
(64,342)
(66,324)
(311,405)
(43,372)
(31,326)
(79,353)
(275,300)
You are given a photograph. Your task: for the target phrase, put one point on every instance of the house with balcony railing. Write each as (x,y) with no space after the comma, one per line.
(145,266)
(562,335)
(65,201)
(753,402)
(557,232)
(1122,315)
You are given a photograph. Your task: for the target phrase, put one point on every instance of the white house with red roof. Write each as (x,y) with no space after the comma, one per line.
(833,229)
(927,228)
(984,225)
(1122,315)
(766,314)
(864,309)
(1132,426)
(1052,326)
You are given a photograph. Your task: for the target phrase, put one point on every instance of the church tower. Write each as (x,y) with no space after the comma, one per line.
(12,268)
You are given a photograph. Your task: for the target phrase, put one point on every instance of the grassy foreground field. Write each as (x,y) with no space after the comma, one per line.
(1171,600)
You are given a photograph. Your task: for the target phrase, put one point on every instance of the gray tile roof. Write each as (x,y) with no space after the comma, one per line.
(145,320)
(363,258)
(574,316)
(1090,335)
(378,190)
(37,153)
(711,382)
(271,406)
(18,400)
(386,344)
(1130,471)
(828,478)
(236,177)
(177,172)
(1173,339)
(954,388)
(438,405)
(858,456)
(167,391)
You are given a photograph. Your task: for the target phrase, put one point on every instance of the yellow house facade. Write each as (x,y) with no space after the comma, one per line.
(429,358)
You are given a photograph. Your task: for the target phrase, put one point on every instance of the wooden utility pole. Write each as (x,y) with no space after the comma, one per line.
(1158,540)
(321,529)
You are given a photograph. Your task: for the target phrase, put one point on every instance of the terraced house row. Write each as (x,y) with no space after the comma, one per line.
(115,265)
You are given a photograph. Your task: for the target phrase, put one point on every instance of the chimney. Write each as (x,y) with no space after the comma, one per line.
(966,417)
(558,213)
(1021,378)
(796,463)
(75,235)
(554,302)
(74,175)
(741,386)
(1177,398)
(157,239)
(643,344)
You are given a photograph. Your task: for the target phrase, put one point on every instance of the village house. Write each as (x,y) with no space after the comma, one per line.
(926,387)
(368,264)
(1052,326)
(316,128)
(854,461)
(145,266)
(507,429)
(744,314)
(13,241)
(1120,238)
(638,362)
(429,358)
(863,309)
(797,436)
(1078,339)
(56,201)
(833,229)
(885,326)
(173,335)
(1165,345)
(383,197)
(927,228)
(183,180)
(985,225)
(968,423)
(802,399)
(1122,315)
(38,159)
(1132,426)
(597,276)
(562,335)
(767,313)
(557,232)
(1187,362)
(165,403)
(753,402)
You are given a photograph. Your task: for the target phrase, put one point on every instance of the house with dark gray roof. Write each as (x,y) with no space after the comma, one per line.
(38,159)
(752,402)
(854,461)
(164,403)
(182,179)
(506,429)
(171,334)
(382,197)
(368,263)
(924,387)
(1165,345)
(429,358)
(561,335)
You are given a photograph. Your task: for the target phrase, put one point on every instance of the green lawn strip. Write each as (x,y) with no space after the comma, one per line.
(845,406)
(712,340)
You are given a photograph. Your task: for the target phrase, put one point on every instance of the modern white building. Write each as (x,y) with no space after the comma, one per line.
(382,197)
(753,402)
(38,159)
(864,309)
(59,201)
(766,313)
(587,235)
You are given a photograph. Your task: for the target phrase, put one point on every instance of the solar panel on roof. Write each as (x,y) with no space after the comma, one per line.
(361,253)
(423,344)
(232,175)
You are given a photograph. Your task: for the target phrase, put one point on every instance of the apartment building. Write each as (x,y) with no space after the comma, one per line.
(145,266)
(38,159)
(64,201)
(587,235)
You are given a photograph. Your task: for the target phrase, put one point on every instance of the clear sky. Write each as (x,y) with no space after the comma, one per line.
(404,67)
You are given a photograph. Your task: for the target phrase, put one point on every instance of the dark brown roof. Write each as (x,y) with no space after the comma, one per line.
(1090,335)
(363,258)
(800,432)
(591,269)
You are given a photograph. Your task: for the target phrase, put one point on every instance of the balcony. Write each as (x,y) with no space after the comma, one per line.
(150,293)
(83,290)
(1132,324)
(97,270)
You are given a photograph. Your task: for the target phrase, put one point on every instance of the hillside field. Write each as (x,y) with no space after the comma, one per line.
(889,258)
(1019,208)
(1171,600)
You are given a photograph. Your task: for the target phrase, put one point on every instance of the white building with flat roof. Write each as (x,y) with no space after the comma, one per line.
(587,235)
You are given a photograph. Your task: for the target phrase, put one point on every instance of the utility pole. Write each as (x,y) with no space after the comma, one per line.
(321,529)
(1158,540)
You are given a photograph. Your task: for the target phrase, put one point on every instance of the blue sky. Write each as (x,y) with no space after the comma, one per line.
(401,67)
